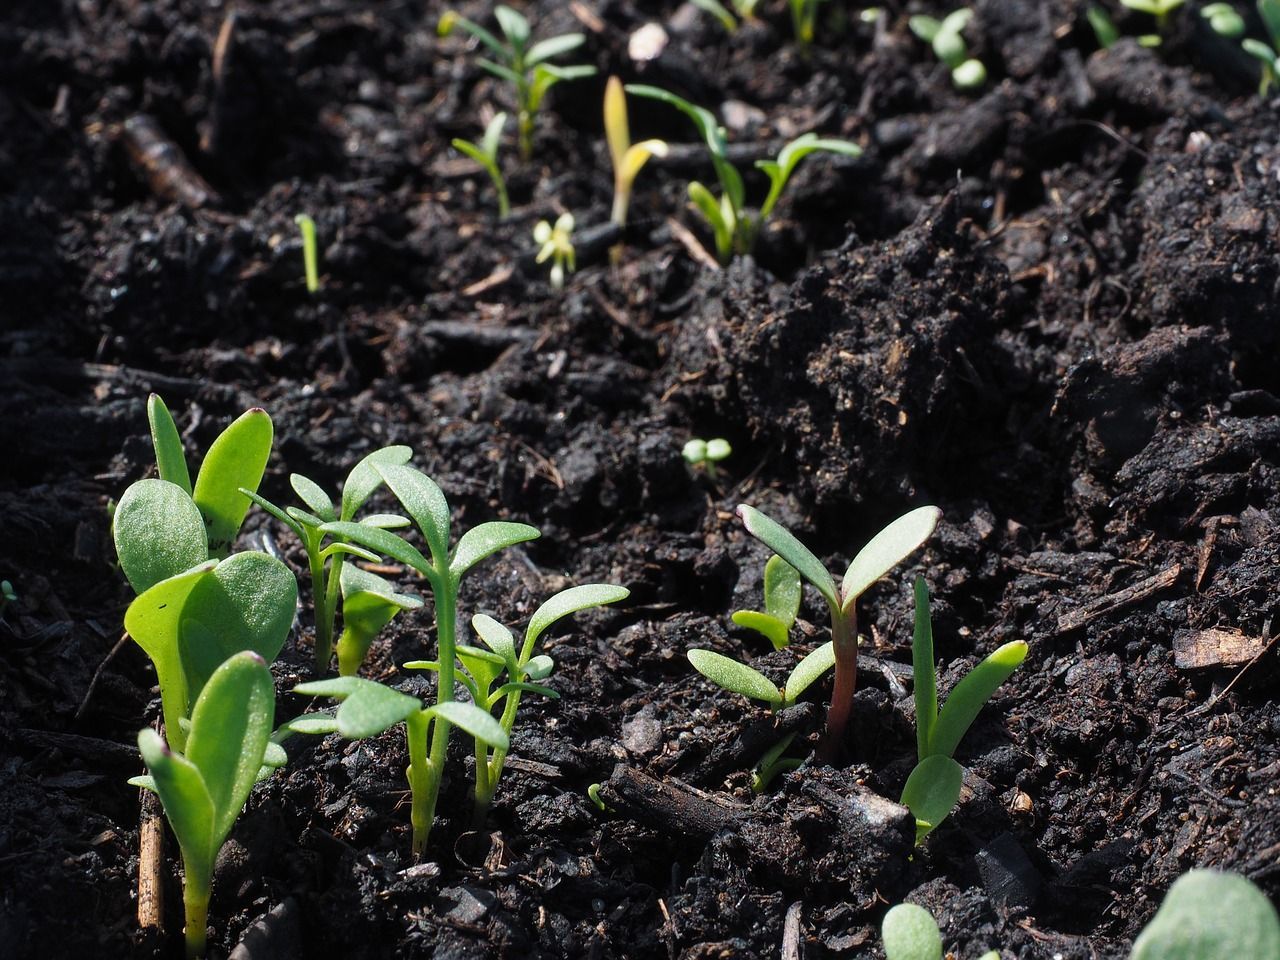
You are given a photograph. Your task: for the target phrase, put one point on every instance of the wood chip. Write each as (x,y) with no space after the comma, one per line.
(1207,649)
(1077,618)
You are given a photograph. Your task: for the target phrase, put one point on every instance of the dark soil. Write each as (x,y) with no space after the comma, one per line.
(1049,308)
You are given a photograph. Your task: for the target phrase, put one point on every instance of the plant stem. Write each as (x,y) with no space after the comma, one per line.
(420,781)
(324,620)
(330,609)
(424,800)
(844,632)
(195,901)
(524,125)
(493,766)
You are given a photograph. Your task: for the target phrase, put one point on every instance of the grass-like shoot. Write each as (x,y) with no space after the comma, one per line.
(627,157)
(1209,915)
(804,20)
(522,63)
(886,550)
(203,787)
(933,788)
(705,454)
(555,243)
(946,38)
(746,9)
(910,933)
(1104,28)
(310,255)
(485,153)
(1268,56)
(782,589)
(326,553)
(733,226)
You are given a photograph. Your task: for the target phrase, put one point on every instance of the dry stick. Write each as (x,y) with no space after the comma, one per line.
(1074,619)
(150,863)
(163,164)
(791,949)
(93,683)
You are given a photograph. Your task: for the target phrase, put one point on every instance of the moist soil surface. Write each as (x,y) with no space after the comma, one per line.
(1048,307)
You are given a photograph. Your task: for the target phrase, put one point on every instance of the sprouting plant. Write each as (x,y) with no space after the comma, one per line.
(1104,28)
(521,63)
(593,793)
(946,38)
(485,153)
(1160,10)
(1268,56)
(746,9)
(886,550)
(204,786)
(705,454)
(368,604)
(1211,915)
(7,595)
(804,20)
(1223,20)
(910,933)
(782,589)
(515,672)
(732,225)
(556,244)
(325,549)
(310,257)
(933,788)
(627,157)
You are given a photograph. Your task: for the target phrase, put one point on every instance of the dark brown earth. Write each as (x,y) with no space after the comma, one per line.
(1049,308)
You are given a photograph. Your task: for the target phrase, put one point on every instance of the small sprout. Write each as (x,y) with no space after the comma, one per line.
(593,792)
(946,38)
(773,763)
(1160,9)
(556,245)
(627,157)
(1223,20)
(782,589)
(1104,28)
(729,674)
(521,63)
(1209,915)
(804,20)
(310,257)
(910,933)
(7,596)
(1268,56)
(705,454)
(368,604)
(204,788)
(485,153)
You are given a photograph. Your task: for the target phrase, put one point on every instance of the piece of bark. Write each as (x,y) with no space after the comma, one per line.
(1207,649)
(151,863)
(672,809)
(1077,618)
(163,165)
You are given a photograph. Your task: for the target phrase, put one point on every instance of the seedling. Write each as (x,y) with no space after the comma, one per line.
(804,20)
(556,245)
(1159,9)
(933,788)
(307,525)
(310,258)
(736,677)
(521,63)
(593,793)
(485,153)
(910,933)
(1268,56)
(886,550)
(1104,28)
(1223,20)
(746,9)
(7,596)
(627,157)
(773,763)
(782,589)
(204,787)
(732,225)
(1209,915)
(516,673)
(368,604)
(705,454)
(946,38)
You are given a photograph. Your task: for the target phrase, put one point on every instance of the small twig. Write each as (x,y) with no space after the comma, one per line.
(150,863)
(93,683)
(1077,618)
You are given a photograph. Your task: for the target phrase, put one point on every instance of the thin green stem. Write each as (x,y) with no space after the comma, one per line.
(319,590)
(484,785)
(331,590)
(422,805)
(195,901)
(446,601)
(495,763)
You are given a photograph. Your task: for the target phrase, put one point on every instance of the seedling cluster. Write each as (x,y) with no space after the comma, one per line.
(946,38)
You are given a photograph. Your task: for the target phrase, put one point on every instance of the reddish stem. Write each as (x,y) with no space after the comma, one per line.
(844,633)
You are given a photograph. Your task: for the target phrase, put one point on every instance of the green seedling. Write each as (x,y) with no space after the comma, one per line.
(886,550)
(515,672)
(1224,20)
(593,793)
(732,224)
(368,604)
(203,788)
(745,9)
(705,454)
(804,20)
(1208,915)
(910,933)
(773,763)
(933,788)
(325,550)
(782,589)
(1268,56)
(1161,10)
(310,257)
(7,596)
(521,63)
(1104,28)
(485,153)
(556,244)
(627,157)
(946,38)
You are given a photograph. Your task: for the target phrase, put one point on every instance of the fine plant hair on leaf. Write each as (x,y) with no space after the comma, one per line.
(236,459)
(729,674)
(1211,915)
(910,933)
(171,458)
(628,158)
(203,791)
(485,153)
(159,532)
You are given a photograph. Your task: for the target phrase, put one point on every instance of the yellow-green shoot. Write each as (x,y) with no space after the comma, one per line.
(555,243)
(782,590)
(310,255)
(1161,10)
(485,153)
(627,157)
(945,37)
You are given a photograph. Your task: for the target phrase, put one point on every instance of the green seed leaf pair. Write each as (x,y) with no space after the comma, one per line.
(782,589)
(736,677)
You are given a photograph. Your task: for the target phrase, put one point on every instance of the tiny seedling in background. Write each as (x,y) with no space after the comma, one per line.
(886,550)
(7,595)
(782,589)
(946,38)
(933,788)
(485,153)
(1161,10)
(556,244)
(804,20)
(1210,915)
(746,9)
(910,933)
(705,454)
(310,256)
(204,787)
(627,157)
(521,63)
(1268,56)
(1224,20)
(1104,28)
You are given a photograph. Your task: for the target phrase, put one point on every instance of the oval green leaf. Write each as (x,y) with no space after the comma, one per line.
(363,480)
(159,533)
(486,539)
(773,629)
(313,495)
(565,602)
(471,719)
(932,791)
(910,932)
(734,676)
(887,549)
(185,799)
(808,670)
(1209,915)
(236,459)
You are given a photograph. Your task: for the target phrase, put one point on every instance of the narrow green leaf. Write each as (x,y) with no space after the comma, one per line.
(926,682)
(513,24)
(496,637)
(171,459)
(363,480)
(383,542)
(236,459)
(782,590)
(734,676)
(1269,10)
(368,708)
(450,19)
(523,687)
(887,549)
(964,702)
(146,783)
(924,27)
(313,724)
(719,11)
(350,550)
(433,665)
(158,532)
(808,670)
(185,799)
(703,119)
(313,495)
(539,667)
(471,719)
(304,518)
(385,521)
(486,539)
(780,172)
(275,511)
(773,629)
(424,501)
(564,603)
(932,791)
(483,666)
(553,47)
(492,138)
(910,933)
(708,206)
(784,543)
(501,71)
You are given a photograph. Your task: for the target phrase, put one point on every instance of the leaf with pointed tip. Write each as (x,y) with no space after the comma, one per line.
(514,25)
(773,629)
(275,511)
(385,521)
(925,680)
(808,670)
(932,791)
(780,171)
(784,543)
(183,795)
(887,549)
(383,542)
(449,19)
(523,687)
(569,601)
(313,495)
(553,47)
(782,589)
(471,719)
(159,533)
(492,138)
(236,459)
(486,539)
(349,549)
(734,676)
(968,696)
(171,459)
(424,501)
(422,665)
(496,637)
(304,518)
(368,708)
(363,479)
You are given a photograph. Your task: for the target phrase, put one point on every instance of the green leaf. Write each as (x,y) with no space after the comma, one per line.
(492,138)
(382,542)
(926,28)
(313,724)
(807,671)
(524,687)
(290,522)
(703,119)
(926,682)
(1259,50)
(773,629)
(450,19)
(171,459)
(910,932)
(486,539)
(313,495)
(734,676)
(780,171)
(1104,28)
(566,602)
(547,75)
(887,549)
(424,501)
(471,719)
(368,708)
(497,638)
(185,799)
(539,667)
(1208,915)
(932,791)
(350,550)
(236,459)
(230,728)
(363,479)
(782,590)
(500,71)
(159,533)
(385,521)
(719,11)
(483,666)
(513,24)
(368,604)
(964,702)
(784,543)
(553,47)
(1269,10)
